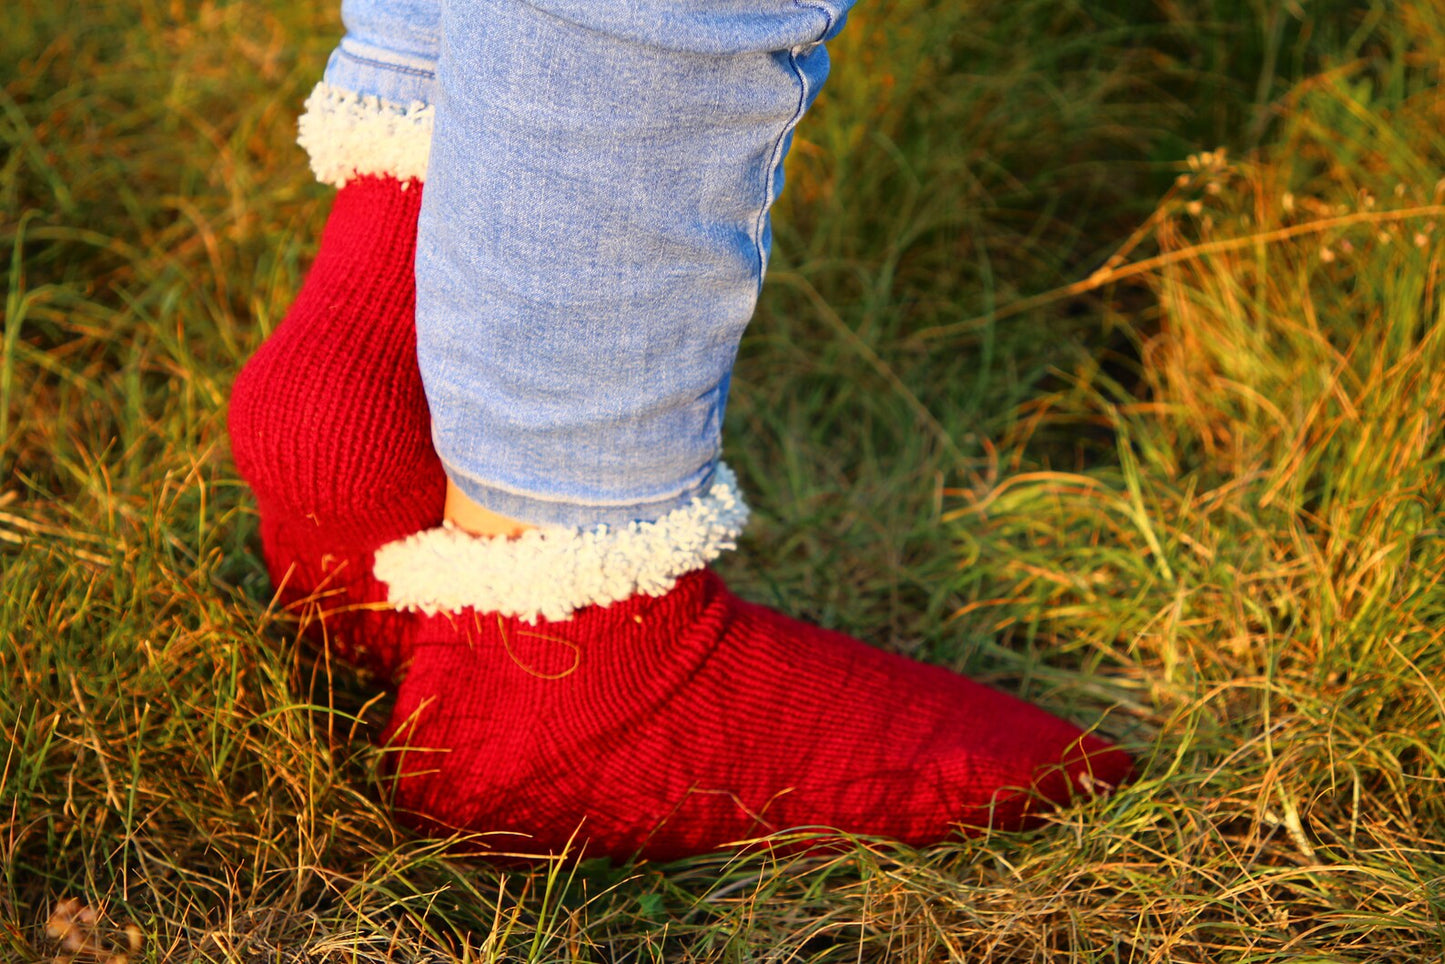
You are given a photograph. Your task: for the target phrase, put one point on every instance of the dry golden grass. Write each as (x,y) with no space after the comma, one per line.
(1194,490)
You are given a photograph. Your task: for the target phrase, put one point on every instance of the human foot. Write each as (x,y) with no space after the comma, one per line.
(676,722)
(329,426)
(676,725)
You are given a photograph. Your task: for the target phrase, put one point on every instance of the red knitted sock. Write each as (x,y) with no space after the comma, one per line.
(329,425)
(674,725)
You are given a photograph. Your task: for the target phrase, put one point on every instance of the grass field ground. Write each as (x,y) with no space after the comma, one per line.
(1100,358)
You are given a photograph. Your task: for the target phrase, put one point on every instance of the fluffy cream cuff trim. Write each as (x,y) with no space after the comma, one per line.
(348,135)
(552,572)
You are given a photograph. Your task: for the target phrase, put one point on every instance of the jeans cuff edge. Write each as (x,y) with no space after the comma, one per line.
(550,573)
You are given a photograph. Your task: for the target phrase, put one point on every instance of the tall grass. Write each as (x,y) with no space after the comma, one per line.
(1259,575)
(1192,492)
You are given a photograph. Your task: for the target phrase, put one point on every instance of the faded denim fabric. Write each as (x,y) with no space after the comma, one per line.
(594,230)
(389,51)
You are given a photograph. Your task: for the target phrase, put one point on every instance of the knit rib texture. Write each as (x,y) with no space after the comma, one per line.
(675,725)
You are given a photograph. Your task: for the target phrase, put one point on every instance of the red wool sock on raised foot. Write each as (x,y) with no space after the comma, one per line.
(329,426)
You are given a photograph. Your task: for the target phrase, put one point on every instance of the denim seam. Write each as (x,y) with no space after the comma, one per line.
(386,65)
(775,159)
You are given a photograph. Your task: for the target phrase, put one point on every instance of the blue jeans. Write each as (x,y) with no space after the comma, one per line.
(594,229)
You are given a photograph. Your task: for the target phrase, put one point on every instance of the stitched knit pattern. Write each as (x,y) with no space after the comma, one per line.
(329,426)
(675,725)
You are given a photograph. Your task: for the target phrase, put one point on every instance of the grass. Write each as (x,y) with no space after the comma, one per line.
(1151,440)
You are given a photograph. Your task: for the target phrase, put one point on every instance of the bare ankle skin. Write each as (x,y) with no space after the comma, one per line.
(468,516)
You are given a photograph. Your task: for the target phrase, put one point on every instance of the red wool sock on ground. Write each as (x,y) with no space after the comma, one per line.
(606,684)
(675,725)
(329,426)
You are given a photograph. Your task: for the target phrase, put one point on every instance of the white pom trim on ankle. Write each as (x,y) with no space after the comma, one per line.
(349,135)
(552,572)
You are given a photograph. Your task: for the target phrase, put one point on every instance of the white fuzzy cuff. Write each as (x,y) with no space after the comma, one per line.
(349,135)
(552,572)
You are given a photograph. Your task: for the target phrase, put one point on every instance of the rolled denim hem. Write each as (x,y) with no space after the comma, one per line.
(372,113)
(551,572)
(374,71)
(579,509)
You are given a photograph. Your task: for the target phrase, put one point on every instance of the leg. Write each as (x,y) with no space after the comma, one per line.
(328,420)
(591,245)
(593,241)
